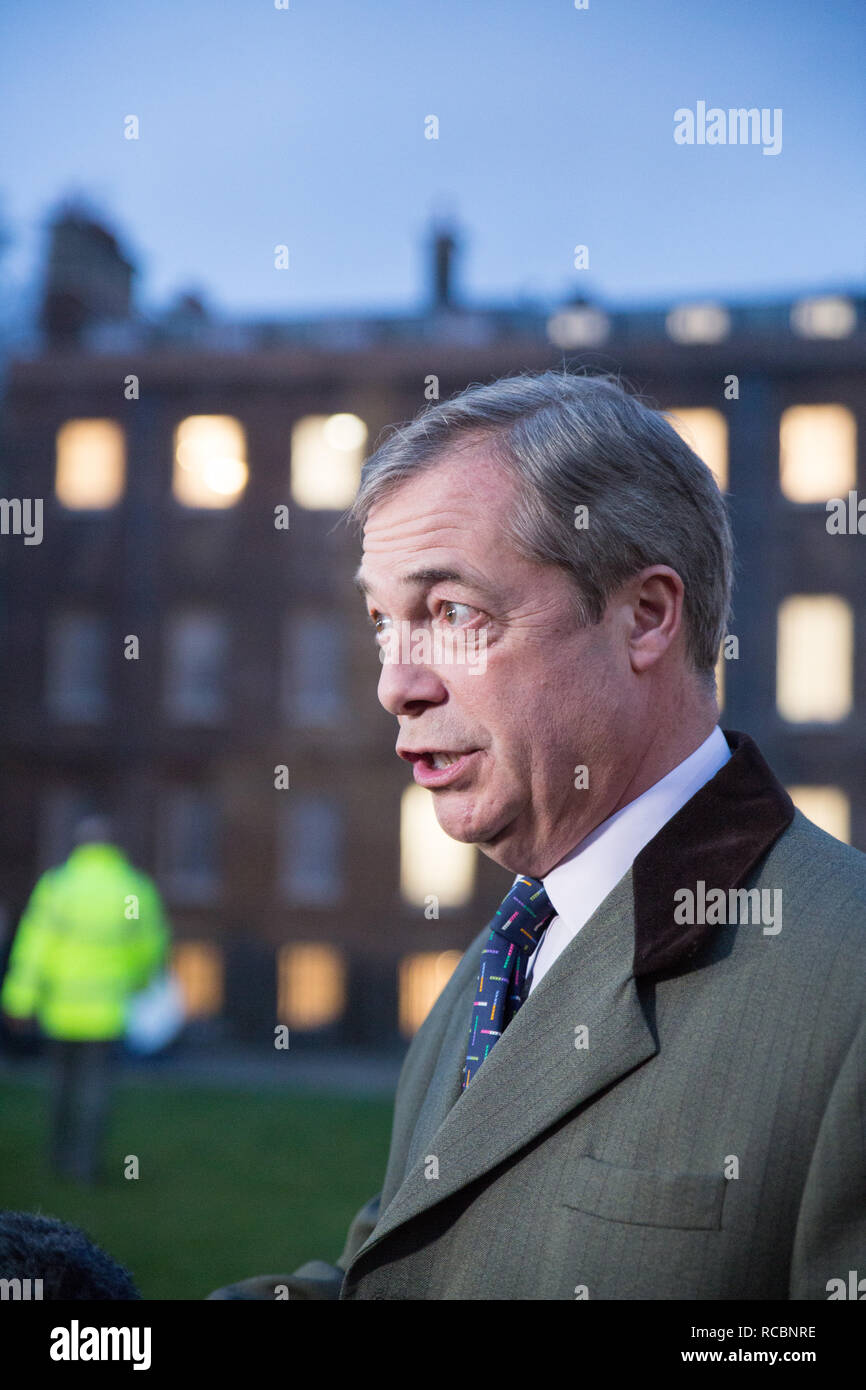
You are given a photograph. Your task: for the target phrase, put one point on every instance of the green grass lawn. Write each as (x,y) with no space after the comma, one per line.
(232,1183)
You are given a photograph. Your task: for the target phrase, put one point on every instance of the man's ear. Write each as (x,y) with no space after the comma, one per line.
(657,595)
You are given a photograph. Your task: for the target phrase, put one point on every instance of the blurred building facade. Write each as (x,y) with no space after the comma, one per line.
(185,647)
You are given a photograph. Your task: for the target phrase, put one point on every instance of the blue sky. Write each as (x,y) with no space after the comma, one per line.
(306,127)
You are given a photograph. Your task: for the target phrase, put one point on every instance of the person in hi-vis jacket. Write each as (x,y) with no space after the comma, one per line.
(94,932)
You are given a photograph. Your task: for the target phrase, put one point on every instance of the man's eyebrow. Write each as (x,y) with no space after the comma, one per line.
(425,578)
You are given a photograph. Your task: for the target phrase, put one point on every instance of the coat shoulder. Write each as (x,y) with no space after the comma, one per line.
(822,887)
(818,869)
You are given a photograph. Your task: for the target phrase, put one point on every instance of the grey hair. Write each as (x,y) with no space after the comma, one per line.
(570,439)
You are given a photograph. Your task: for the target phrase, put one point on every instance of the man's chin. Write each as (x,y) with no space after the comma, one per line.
(491,836)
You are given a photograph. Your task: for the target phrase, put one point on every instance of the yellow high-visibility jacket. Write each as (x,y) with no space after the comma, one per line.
(93,933)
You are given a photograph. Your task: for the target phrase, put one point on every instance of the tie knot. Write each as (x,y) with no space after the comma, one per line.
(523,914)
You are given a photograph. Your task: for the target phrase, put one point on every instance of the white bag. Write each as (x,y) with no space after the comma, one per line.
(155,1015)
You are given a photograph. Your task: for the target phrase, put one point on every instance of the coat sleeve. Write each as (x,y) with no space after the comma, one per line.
(24,973)
(830,1239)
(315,1280)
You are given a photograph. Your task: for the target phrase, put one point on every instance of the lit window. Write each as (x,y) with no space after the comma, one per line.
(313,686)
(578,327)
(196,648)
(814,658)
(199,969)
(327,453)
(828,807)
(188,847)
(76,668)
(706,433)
(698,323)
(210,463)
(431,863)
(817,452)
(422,978)
(825,316)
(311,985)
(311,849)
(91,464)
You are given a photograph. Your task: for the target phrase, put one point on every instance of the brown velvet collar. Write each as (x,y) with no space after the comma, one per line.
(718,836)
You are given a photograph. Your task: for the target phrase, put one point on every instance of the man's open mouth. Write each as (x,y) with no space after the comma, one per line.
(432,765)
(443,759)
(433,757)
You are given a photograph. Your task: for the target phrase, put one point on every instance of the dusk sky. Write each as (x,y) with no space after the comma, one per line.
(306,127)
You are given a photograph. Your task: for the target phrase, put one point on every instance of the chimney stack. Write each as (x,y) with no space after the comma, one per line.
(444,248)
(87,280)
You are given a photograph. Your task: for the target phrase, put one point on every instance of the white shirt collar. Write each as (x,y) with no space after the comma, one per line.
(583,879)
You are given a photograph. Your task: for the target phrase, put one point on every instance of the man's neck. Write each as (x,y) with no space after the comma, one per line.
(662,754)
(660,758)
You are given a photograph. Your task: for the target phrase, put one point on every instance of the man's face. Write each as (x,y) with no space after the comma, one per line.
(552,697)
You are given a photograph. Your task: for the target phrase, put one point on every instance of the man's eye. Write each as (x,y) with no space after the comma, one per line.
(378,623)
(455,613)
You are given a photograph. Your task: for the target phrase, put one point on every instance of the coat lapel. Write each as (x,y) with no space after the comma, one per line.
(536,1074)
(444,1089)
(719,836)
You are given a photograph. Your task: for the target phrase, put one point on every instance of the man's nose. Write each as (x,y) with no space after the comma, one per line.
(404,686)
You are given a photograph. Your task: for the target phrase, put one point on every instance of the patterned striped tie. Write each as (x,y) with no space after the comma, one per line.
(514,934)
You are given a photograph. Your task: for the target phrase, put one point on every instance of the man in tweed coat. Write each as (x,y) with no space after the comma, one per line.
(676,1108)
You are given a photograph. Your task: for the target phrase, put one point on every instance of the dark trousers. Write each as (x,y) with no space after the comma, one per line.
(80,1107)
